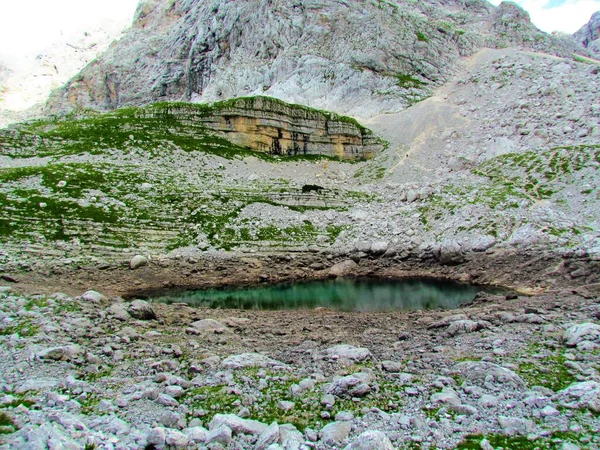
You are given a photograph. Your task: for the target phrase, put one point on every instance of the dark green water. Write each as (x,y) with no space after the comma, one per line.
(339,294)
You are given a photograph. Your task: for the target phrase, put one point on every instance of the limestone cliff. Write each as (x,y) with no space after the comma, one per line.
(271,126)
(357,57)
(588,35)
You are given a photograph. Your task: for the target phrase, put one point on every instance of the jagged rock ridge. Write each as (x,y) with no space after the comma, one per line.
(354,57)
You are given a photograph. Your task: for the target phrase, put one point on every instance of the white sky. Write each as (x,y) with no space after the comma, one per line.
(558,15)
(29,26)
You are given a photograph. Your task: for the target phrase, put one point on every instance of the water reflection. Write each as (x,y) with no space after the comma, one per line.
(339,294)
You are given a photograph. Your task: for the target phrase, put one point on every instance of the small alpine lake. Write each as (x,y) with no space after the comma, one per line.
(345,294)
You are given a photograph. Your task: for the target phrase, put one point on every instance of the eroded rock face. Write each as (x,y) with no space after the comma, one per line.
(588,35)
(360,58)
(271,126)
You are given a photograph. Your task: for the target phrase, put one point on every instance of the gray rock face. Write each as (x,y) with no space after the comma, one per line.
(588,36)
(360,58)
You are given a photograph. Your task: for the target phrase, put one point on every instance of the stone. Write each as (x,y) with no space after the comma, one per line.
(487,401)
(379,247)
(335,433)
(371,440)
(584,395)
(343,268)
(61,353)
(119,312)
(245,360)
(515,425)
(290,437)
(446,397)
(141,310)
(237,424)
(220,435)
(176,439)
(93,297)
(576,334)
(350,386)
(138,261)
(349,352)
(269,436)
(480,372)
(208,325)
(166,400)
(196,434)
(157,436)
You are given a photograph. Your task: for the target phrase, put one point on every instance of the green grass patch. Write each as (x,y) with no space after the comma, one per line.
(555,441)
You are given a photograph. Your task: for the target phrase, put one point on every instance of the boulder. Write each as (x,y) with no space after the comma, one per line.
(579,333)
(137,261)
(141,310)
(343,268)
(93,296)
(237,424)
(371,440)
(250,360)
(334,433)
(344,351)
(585,395)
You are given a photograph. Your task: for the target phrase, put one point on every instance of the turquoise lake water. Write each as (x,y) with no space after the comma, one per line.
(338,294)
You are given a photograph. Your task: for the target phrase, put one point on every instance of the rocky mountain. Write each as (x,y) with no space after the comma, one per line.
(354,57)
(589,35)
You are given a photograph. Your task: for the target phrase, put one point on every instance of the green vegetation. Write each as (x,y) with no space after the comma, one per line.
(512,181)
(154,130)
(7,426)
(554,441)
(407,81)
(548,370)
(304,409)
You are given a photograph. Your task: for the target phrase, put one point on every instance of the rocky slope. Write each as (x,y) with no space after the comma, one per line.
(122,375)
(354,57)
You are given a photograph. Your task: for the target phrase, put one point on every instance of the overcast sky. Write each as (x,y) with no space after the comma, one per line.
(558,15)
(29,26)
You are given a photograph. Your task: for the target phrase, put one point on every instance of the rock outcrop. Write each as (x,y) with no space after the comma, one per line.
(271,126)
(588,35)
(352,57)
